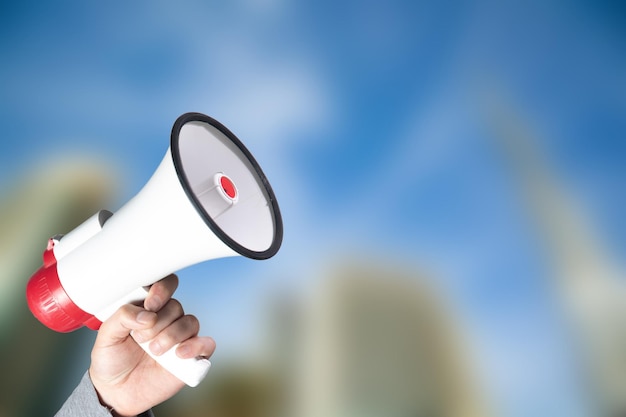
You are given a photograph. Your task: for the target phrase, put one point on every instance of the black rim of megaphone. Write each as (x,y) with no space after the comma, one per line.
(278,225)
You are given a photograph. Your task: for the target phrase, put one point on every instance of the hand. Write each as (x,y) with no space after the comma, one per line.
(126,378)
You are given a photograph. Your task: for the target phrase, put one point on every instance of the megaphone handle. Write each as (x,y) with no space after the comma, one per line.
(191,371)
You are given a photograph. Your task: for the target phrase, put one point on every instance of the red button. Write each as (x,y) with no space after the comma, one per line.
(228,187)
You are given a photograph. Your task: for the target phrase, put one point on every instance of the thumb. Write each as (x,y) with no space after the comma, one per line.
(126,319)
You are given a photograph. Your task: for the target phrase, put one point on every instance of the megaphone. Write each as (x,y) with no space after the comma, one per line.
(207,199)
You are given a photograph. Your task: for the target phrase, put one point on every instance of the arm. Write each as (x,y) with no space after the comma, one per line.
(84,402)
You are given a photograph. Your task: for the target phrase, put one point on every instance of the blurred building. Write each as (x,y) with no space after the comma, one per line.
(371,341)
(41,367)
(588,283)
(380,341)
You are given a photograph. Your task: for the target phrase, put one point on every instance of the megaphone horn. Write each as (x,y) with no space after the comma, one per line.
(207,199)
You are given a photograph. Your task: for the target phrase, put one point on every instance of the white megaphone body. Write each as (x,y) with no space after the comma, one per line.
(207,199)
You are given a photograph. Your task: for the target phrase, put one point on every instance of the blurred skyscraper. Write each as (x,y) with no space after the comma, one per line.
(588,283)
(381,341)
(39,366)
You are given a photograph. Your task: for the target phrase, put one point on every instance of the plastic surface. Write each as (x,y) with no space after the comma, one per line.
(201,148)
(79,235)
(154,234)
(176,220)
(50,304)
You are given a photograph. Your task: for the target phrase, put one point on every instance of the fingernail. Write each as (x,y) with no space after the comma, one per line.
(183,351)
(156,348)
(153,303)
(143,317)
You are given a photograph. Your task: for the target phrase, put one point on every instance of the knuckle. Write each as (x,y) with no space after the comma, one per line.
(127,310)
(167,285)
(127,313)
(175,306)
(166,339)
(173,280)
(190,323)
(195,323)
(146,334)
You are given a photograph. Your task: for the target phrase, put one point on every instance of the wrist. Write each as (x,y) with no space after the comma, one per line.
(101,398)
(110,409)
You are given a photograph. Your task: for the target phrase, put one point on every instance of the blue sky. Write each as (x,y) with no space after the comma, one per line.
(369,119)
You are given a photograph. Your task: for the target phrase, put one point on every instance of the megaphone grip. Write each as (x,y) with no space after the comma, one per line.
(191,371)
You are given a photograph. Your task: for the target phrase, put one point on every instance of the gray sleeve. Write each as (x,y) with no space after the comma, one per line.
(84,402)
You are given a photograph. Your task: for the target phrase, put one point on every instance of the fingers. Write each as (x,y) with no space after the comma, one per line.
(162,321)
(126,319)
(196,346)
(172,327)
(182,329)
(160,293)
(133,318)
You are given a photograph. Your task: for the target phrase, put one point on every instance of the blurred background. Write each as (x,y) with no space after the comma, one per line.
(451,176)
